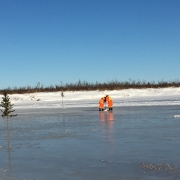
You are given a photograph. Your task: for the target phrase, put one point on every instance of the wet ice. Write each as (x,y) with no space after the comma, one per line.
(83,143)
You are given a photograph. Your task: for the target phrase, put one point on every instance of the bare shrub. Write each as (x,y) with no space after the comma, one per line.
(86,86)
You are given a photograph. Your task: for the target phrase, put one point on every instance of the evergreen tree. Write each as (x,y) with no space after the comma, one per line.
(8,107)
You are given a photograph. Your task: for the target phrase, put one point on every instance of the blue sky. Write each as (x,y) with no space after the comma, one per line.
(50,41)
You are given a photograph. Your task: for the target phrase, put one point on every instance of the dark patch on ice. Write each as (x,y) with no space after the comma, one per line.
(160,167)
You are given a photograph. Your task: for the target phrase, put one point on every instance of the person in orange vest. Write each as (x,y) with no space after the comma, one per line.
(101,104)
(110,102)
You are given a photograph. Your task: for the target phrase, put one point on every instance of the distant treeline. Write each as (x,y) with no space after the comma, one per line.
(85,86)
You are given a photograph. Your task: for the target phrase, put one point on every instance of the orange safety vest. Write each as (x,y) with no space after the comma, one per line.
(101,103)
(110,101)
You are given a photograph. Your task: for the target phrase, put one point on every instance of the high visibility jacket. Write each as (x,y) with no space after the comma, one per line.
(101,103)
(110,101)
(108,98)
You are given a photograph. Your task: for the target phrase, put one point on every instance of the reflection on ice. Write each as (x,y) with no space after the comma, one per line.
(8,145)
(107,120)
(106,116)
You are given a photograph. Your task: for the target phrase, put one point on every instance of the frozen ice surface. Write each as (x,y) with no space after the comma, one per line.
(132,142)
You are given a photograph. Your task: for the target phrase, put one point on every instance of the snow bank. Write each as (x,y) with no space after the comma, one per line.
(128,97)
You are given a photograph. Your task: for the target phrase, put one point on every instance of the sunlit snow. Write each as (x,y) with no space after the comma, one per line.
(128,97)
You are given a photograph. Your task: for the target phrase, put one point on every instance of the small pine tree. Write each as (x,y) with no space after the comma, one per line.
(8,107)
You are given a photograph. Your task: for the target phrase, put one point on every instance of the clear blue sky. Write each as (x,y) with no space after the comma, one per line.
(50,41)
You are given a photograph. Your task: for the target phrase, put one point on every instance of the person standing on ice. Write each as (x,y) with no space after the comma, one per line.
(110,102)
(101,104)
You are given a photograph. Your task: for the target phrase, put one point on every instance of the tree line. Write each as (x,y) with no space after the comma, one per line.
(86,86)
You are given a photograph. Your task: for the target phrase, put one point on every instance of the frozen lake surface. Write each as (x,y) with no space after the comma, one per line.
(130,143)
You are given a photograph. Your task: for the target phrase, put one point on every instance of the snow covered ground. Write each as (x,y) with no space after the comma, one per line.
(128,97)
